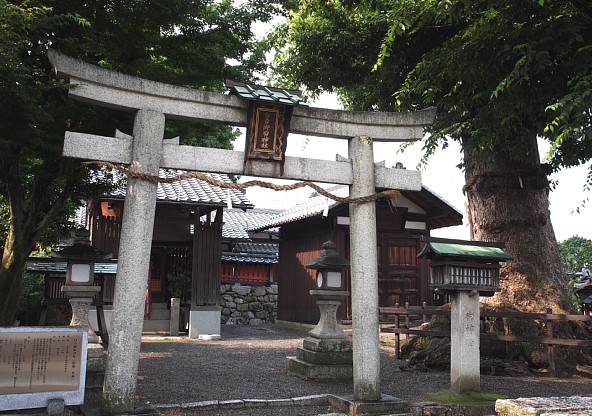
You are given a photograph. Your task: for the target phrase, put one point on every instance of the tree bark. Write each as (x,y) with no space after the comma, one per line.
(508,202)
(14,261)
(28,223)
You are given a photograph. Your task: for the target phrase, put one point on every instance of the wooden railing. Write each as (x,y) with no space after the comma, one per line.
(403,320)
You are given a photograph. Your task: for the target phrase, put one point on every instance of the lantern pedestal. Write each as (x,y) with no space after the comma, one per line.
(464,270)
(80,298)
(326,353)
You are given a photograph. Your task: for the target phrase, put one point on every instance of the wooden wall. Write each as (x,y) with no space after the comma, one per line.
(402,277)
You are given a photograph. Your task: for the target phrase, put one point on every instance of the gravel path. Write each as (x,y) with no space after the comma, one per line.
(248,363)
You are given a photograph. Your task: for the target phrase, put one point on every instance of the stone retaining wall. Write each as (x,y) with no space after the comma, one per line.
(248,305)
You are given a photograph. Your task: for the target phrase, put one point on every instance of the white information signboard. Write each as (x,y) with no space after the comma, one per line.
(38,364)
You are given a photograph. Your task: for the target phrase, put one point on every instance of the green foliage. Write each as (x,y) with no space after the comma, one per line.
(178,283)
(32,295)
(499,72)
(575,252)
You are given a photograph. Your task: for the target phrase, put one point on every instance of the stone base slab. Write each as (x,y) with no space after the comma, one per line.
(386,405)
(315,371)
(327,345)
(325,358)
(544,406)
(439,409)
(96,362)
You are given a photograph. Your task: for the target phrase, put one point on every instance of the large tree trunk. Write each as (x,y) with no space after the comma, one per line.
(508,202)
(14,261)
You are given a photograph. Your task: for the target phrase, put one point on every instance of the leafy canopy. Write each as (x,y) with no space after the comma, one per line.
(575,252)
(195,44)
(500,72)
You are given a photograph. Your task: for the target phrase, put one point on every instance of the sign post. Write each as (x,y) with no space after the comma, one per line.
(39,364)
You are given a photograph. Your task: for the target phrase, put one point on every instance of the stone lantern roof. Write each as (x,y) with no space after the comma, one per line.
(81,249)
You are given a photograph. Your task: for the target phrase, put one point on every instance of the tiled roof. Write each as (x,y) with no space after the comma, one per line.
(237,222)
(441,213)
(257,248)
(191,190)
(269,94)
(306,209)
(249,258)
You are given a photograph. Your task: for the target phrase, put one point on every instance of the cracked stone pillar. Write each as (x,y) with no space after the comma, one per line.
(132,269)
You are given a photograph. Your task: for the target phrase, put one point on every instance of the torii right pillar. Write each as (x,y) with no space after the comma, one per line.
(364,274)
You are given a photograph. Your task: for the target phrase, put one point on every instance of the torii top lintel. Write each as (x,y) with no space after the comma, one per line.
(107,88)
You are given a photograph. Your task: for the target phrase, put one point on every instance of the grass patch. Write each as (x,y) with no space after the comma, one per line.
(447,396)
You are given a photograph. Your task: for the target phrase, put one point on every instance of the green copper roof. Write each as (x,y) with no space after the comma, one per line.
(269,94)
(464,250)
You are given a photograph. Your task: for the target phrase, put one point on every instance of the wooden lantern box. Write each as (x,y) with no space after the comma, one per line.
(464,265)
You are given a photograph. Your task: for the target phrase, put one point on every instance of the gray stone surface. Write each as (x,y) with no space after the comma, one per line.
(309,370)
(246,305)
(133,265)
(93,147)
(325,358)
(175,316)
(328,328)
(127,92)
(384,405)
(55,407)
(364,274)
(464,343)
(548,406)
(204,321)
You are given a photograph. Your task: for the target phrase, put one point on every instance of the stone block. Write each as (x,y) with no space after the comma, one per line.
(327,345)
(385,405)
(255,306)
(314,371)
(536,406)
(279,402)
(231,404)
(325,358)
(250,403)
(204,321)
(262,315)
(241,290)
(312,400)
(242,307)
(259,291)
(55,407)
(256,322)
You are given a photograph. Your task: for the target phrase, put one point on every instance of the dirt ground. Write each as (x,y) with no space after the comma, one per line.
(248,363)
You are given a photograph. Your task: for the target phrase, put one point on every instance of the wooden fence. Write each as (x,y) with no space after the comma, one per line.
(403,320)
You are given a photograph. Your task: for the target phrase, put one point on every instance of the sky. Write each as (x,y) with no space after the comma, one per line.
(440,175)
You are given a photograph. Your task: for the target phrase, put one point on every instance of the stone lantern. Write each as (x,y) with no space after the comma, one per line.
(80,274)
(464,270)
(326,353)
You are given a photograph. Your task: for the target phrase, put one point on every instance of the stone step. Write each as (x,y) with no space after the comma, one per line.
(308,370)
(156,326)
(160,313)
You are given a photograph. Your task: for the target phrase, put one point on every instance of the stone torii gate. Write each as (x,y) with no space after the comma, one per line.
(146,151)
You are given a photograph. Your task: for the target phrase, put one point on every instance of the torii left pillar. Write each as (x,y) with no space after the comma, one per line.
(132,268)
